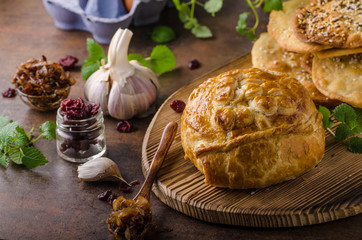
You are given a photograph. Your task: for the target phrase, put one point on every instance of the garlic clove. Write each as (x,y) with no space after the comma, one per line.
(100,169)
(96,89)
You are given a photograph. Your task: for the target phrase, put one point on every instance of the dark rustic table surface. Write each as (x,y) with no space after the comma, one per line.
(50,202)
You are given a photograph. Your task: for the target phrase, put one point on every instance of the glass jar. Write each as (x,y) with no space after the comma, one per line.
(80,140)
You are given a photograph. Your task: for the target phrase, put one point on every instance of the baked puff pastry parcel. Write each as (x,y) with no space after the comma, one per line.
(251,128)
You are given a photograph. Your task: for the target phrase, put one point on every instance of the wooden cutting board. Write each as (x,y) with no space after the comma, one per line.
(332,190)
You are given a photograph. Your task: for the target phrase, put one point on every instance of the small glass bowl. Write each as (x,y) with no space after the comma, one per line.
(45,103)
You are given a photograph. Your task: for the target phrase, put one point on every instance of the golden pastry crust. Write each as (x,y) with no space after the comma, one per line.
(340,78)
(251,128)
(280,27)
(335,23)
(267,54)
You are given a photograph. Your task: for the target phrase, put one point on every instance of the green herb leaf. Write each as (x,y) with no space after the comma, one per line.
(192,22)
(7,133)
(177,4)
(184,12)
(343,132)
(162,59)
(139,58)
(241,27)
(16,155)
(163,34)
(213,6)
(346,114)
(91,65)
(358,128)
(251,35)
(48,130)
(94,49)
(4,161)
(201,31)
(21,137)
(273,5)
(33,157)
(3,121)
(355,145)
(327,123)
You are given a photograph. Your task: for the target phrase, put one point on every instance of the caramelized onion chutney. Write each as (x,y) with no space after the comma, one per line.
(130,219)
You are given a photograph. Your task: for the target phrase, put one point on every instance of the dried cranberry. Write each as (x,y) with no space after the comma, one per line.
(178,105)
(193,64)
(124,126)
(105,195)
(9,93)
(124,187)
(111,198)
(68,62)
(77,109)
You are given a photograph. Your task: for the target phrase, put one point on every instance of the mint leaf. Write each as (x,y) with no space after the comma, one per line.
(184,12)
(327,123)
(358,128)
(162,59)
(273,5)
(4,161)
(346,114)
(3,121)
(192,22)
(6,135)
(139,58)
(94,49)
(355,145)
(241,27)
(163,34)
(213,6)
(16,155)
(48,130)
(89,66)
(33,157)
(201,31)
(21,137)
(343,132)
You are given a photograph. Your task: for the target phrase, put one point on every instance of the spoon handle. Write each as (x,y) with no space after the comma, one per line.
(166,140)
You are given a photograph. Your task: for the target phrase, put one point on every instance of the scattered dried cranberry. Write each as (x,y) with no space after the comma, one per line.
(105,195)
(178,105)
(68,62)
(124,187)
(9,93)
(77,109)
(111,198)
(124,126)
(193,64)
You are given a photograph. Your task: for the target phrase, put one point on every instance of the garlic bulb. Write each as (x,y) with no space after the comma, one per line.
(100,169)
(123,88)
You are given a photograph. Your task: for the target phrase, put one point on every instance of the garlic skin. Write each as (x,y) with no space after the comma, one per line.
(123,88)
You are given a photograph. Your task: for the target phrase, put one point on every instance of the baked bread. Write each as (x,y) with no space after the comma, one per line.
(336,23)
(339,78)
(251,128)
(267,54)
(280,27)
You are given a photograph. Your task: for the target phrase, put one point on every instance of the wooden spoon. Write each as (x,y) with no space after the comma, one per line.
(167,137)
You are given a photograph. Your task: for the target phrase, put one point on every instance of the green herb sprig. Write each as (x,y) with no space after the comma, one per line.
(186,13)
(17,145)
(163,34)
(348,122)
(242,26)
(161,60)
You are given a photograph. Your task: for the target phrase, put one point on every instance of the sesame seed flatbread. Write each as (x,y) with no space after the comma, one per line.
(338,52)
(280,27)
(267,54)
(340,78)
(336,23)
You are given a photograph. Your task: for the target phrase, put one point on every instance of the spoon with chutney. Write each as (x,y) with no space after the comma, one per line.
(132,218)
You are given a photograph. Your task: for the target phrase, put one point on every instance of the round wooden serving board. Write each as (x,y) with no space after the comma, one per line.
(328,192)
